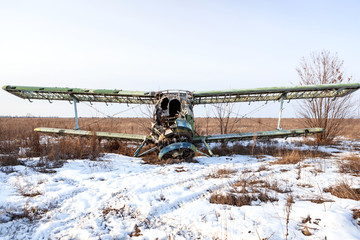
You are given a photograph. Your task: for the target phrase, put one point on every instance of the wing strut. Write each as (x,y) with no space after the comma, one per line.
(139,148)
(281,109)
(76,114)
(148,151)
(207,147)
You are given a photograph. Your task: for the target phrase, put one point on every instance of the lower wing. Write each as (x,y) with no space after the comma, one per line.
(258,135)
(84,133)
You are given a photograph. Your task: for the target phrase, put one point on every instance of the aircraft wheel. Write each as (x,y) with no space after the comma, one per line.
(181,150)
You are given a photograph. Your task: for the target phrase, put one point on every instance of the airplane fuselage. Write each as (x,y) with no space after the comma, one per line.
(173,127)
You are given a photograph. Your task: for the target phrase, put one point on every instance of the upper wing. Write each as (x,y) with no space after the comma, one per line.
(79,94)
(258,135)
(275,93)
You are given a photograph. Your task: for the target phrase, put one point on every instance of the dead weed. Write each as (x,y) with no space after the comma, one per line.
(350,164)
(343,190)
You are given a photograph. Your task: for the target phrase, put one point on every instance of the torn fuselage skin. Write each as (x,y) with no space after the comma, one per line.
(173,127)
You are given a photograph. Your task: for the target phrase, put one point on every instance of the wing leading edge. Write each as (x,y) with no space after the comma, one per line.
(80,95)
(275,93)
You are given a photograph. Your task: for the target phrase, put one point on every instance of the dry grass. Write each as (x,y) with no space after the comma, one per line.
(205,126)
(9,160)
(16,127)
(244,192)
(224,149)
(343,190)
(268,148)
(288,207)
(291,157)
(350,164)
(221,173)
(136,232)
(17,133)
(240,199)
(295,156)
(31,213)
(320,200)
(356,215)
(232,199)
(114,211)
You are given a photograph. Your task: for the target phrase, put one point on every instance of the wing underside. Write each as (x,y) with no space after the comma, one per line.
(258,135)
(275,93)
(84,133)
(80,95)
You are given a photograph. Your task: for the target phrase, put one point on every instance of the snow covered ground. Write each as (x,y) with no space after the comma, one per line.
(119,197)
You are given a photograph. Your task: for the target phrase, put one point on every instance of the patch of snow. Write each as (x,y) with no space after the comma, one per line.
(120,197)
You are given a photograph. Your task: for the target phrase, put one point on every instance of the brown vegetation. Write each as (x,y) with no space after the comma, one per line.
(221,173)
(327,113)
(343,190)
(244,192)
(288,207)
(240,200)
(356,215)
(350,164)
(17,137)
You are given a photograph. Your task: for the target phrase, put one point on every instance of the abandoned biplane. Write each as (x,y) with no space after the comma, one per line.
(172,130)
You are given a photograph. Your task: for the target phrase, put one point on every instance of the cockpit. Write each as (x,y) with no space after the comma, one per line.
(171,106)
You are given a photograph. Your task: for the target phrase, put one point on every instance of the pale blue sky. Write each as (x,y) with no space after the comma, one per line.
(155,45)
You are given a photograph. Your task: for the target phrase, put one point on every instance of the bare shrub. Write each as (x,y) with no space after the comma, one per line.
(343,190)
(223,112)
(324,68)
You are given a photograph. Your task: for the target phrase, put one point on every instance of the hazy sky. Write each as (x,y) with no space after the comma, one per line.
(155,45)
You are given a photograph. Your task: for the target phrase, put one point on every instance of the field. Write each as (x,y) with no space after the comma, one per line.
(76,188)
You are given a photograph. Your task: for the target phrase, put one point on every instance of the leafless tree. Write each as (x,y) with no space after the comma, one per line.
(324,68)
(147,113)
(223,113)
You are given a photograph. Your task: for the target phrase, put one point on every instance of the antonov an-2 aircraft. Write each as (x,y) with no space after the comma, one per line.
(172,129)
